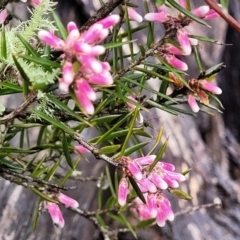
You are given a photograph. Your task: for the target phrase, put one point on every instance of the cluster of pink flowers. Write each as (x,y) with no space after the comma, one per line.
(83,49)
(151,185)
(169,50)
(4,12)
(55,211)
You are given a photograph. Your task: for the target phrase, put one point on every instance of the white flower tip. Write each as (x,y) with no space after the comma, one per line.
(152,189)
(92,96)
(170,217)
(89,110)
(153,213)
(163,185)
(96,67)
(184,67)
(174,184)
(138,176)
(195,108)
(63,86)
(160,223)
(121,202)
(218,91)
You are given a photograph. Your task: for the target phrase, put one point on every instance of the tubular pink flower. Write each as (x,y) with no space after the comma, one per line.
(81,47)
(67,201)
(157,17)
(135,170)
(146,160)
(105,78)
(82,86)
(35,2)
(211,14)
(82,149)
(3,16)
(167,166)
(201,12)
(193,103)
(182,36)
(97,50)
(123,191)
(63,85)
(157,180)
(71,26)
(210,87)
(109,21)
(92,34)
(144,182)
(72,38)
(162,9)
(55,214)
(152,205)
(173,61)
(90,62)
(68,73)
(173,50)
(132,13)
(51,39)
(140,210)
(84,101)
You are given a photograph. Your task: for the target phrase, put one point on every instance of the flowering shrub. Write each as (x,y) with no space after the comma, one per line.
(82,78)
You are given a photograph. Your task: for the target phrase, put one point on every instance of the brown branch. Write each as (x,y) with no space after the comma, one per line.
(103,12)
(227,17)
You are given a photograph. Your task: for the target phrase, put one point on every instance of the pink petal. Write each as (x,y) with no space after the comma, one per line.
(157,17)
(97,50)
(167,166)
(90,62)
(55,214)
(67,201)
(134,15)
(135,170)
(170,181)
(210,87)
(162,9)
(123,192)
(211,16)
(92,34)
(193,103)
(109,21)
(71,26)
(182,36)
(146,160)
(173,61)
(152,206)
(82,149)
(73,36)
(183,3)
(173,50)
(104,78)
(84,101)
(35,2)
(201,11)
(51,39)
(86,89)
(81,47)
(68,73)
(193,41)
(148,185)
(3,16)
(175,176)
(157,180)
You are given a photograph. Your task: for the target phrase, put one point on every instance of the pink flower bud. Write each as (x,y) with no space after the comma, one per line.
(182,36)
(157,17)
(193,103)
(210,87)
(157,180)
(92,34)
(201,12)
(134,15)
(123,191)
(173,61)
(55,214)
(72,38)
(3,16)
(109,21)
(51,39)
(81,47)
(183,3)
(85,102)
(67,201)
(90,62)
(146,160)
(152,205)
(104,78)
(35,2)
(147,184)
(173,50)
(135,170)
(82,149)
(71,26)
(83,86)
(68,73)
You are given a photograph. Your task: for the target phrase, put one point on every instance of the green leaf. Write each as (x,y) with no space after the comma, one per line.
(59,25)
(9,88)
(104,119)
(145,223)
(41,61)
(186,172)
(187,13)
(66,150)
(30,49)
(36,214)
(116,218)
(15,150)
(3,44)
(2,109)
(53,121)
(180,194)
(134,148)
(42,195)
(157,142)
(137,189)
(159,156)
(10,164)
(25,78)
(109,149)
(128,224)
(52,171)
(116,44)
(205,39)
(130,130)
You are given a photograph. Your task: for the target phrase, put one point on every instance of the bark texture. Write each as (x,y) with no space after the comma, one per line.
(207,144)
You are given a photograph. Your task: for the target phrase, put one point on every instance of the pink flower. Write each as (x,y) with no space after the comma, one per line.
(182,36)
(123,191)
(67,201)
(55,214)
(210,87)
(3,16)
(157,17)
(193,103)
(35,2)
(82,149)
(134,15)
(173,61)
